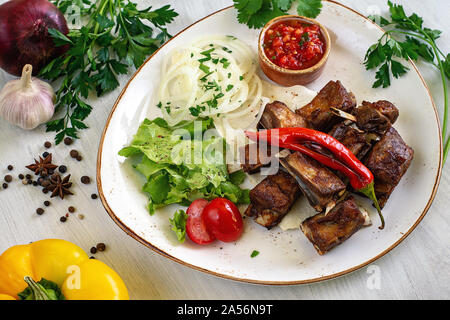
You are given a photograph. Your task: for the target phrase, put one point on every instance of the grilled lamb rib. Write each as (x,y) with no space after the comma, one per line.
(320,185)
(376,117)
(272,199)
(318,114)
(326,231)
(388,161)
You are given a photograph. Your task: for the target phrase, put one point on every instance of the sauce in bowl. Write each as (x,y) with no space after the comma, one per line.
(294,44)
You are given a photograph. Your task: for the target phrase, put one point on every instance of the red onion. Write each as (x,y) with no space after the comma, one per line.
(24,37)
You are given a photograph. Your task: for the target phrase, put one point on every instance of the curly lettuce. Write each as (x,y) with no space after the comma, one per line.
(180,165)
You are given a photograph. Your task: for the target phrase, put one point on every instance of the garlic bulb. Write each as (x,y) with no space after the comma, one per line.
(27,102)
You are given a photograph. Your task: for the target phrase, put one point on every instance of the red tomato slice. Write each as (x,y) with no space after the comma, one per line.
(223,220)
(195,227)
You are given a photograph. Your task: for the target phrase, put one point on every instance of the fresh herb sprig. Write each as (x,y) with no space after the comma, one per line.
(115,37)
(256,13)
(407,38)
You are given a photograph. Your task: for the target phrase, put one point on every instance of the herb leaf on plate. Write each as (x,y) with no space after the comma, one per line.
(115,37)
(405,38)
(256,13)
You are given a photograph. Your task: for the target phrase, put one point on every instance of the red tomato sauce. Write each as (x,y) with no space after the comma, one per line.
(294,44)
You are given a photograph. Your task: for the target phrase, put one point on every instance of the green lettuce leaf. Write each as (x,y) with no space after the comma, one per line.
(180,168)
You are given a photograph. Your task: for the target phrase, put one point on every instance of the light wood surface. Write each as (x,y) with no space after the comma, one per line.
(417,269)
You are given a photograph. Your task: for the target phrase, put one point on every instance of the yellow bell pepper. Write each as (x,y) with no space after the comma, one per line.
(64,264)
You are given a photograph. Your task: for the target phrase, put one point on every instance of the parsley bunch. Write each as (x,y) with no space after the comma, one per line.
(115,37)
(256,13)
(407,38)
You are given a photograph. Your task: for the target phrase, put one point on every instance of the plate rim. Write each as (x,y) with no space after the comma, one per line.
(138,238)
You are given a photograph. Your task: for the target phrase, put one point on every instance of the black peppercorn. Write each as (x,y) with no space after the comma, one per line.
(5,186)
(94,196)
(10,167)
(79,158)
(21,176)
(101,246)
(74,153)
(45,154)
(93,250)
(47,144)
(39,211)
(62,169)
(63,219)
(28,176)
(85,179)
(46,203)
(71,209)
(68,141)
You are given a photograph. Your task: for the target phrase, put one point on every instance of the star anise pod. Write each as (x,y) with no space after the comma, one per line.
(59,187)
(42,166)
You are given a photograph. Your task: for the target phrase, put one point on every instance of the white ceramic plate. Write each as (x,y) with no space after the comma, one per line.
(285,257)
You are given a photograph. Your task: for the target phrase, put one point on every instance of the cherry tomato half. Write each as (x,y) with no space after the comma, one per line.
(195,227)
(223,220)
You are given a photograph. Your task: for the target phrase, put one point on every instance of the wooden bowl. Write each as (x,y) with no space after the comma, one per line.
(289,77)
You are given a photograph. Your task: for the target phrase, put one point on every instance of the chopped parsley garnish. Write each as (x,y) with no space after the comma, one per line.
(227,50)
(212,85)
(207,52)
(195,111)
(254,253)
(229,87)
(204,59)
(241,78)
(204,68)
(224,62)
(159,105)
(304,39)
(204,78)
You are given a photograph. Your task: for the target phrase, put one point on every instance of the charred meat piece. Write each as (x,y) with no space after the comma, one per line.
(352,138)
(253,158)
(385,107)
(319,184)
(278,115)
(388,161)
(272,199)
(318,114)
(376,117)
(326,231)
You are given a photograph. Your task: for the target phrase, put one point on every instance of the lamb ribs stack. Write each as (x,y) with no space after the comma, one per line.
(365,130)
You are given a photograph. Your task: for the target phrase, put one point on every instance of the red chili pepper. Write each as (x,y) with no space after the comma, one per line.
(361,178)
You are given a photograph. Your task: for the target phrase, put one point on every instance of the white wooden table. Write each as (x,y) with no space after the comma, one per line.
(419,268)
